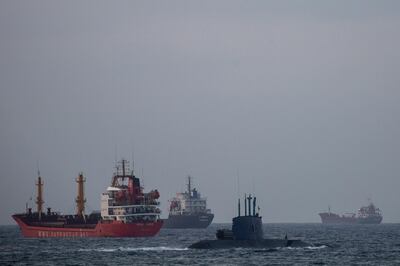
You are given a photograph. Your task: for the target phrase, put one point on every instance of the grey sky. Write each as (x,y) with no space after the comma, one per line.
(300,97)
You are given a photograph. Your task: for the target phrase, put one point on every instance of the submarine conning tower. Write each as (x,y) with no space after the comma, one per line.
(249,225)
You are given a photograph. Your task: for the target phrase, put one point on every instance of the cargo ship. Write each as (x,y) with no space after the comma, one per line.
(188,210)
(126,211)
(365,215)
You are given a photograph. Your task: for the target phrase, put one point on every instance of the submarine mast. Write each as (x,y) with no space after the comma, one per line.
(238,207)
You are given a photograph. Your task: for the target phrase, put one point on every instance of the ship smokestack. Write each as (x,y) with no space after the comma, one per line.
(80,199)
(39,199)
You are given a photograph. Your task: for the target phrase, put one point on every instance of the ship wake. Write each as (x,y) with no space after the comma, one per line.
(308,247)
(129,249)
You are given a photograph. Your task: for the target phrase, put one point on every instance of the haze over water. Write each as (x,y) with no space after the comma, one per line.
(298,99)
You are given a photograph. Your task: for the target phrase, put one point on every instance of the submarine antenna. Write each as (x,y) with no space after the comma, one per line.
(245,205)
(254,206)
(239,207)
(237,182)
(249,199)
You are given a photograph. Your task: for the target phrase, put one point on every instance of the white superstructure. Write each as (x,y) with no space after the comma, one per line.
(125,201)
(188,202)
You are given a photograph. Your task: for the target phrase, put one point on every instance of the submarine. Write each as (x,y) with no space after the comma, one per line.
(247,232)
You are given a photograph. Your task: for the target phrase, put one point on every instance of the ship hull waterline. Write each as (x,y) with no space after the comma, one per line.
(328,219)
(188,221)
(109,229)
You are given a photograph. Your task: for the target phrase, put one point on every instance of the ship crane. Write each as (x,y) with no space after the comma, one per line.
(80,199)
(39,199)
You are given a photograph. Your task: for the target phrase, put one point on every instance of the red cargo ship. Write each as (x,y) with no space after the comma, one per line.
(126,211)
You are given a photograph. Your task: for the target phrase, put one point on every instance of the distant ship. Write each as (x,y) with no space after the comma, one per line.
(188,210)
(126,211)
(365,215)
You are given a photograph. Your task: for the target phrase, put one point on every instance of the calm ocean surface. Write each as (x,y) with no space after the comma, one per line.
(334,245)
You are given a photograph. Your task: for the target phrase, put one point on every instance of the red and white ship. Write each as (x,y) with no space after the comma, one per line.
(126,211)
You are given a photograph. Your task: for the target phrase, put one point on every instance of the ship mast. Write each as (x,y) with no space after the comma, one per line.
(189,186)
(39,199)
(123,169)
(80,199)
(122,172)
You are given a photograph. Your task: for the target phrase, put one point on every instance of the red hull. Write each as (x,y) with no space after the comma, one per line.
(112,229)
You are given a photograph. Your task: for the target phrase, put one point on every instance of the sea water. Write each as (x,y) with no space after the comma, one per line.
(330,245)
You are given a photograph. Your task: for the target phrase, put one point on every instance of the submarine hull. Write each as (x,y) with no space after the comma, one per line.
(263,243)
(247,232)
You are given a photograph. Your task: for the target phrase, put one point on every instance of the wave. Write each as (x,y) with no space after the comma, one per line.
(280,248)
(133,249)
(309,247)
